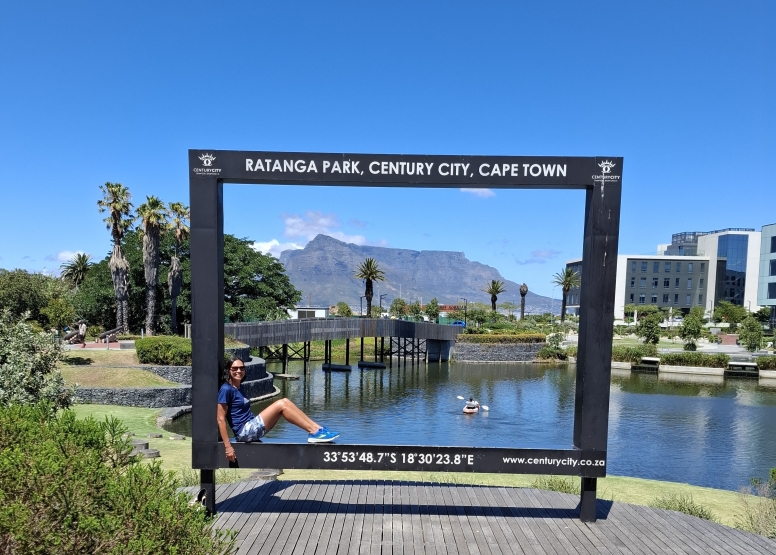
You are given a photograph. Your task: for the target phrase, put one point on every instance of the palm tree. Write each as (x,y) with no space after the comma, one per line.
(153,214)
(179,226)
(566,280)
(494,288)
(369,271)
(523,293)
(76,268)
(116,202)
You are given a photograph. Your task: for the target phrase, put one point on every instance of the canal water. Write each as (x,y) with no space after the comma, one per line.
(700,430)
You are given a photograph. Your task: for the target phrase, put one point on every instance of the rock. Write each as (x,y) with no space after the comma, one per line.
(149,453)
(176,437)
(139,444)
(155,435)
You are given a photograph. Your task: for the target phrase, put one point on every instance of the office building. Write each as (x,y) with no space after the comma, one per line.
(695,269)
(766,282)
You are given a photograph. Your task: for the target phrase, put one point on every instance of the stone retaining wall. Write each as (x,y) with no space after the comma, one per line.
(496,352)
(255,369)
(158,397)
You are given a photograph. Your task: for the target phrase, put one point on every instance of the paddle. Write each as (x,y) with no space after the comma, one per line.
(484,407)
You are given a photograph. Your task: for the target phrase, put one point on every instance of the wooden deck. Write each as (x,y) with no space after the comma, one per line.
(412,518)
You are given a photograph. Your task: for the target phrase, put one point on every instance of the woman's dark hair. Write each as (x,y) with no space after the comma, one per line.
(228,366)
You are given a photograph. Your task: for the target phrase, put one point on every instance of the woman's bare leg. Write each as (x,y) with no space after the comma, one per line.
(290,412)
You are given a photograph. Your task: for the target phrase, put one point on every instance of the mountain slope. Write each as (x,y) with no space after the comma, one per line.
(324,269)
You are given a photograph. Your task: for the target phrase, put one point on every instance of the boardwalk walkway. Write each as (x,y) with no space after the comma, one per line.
(412,518)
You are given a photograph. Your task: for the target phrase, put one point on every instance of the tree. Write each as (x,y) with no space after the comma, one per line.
(690,331)
(523,293)
(153,216)
(179,225)
(369,271)
(76,268)
(763,315)
(344,310)
(28,365)
(567,280)
(432,309)
(728,312)
(415,311)
(376,312)
(648,328)
(699,312)
(494,289)
(22,292)
(750,333)
(116,202)
(477,315)
(60,312)
(509,308)
(628,310)
(398,308)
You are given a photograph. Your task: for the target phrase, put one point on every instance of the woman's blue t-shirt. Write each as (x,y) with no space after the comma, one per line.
(239,407)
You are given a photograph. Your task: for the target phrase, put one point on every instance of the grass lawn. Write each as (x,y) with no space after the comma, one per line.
(114,357)
(97,376)
(663,344)
(176,455)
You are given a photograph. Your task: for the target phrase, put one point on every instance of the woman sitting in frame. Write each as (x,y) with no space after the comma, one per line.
(234,408)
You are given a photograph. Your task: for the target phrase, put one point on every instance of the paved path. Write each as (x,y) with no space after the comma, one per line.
(412,518)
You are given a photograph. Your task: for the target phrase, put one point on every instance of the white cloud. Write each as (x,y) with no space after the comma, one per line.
(312,223)
(63,256)
(482,193)
(274,247)
(539,257)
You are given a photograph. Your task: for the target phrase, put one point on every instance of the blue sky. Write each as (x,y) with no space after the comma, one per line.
(94,92)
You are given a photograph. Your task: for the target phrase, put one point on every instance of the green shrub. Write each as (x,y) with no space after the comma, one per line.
(70,486)
(766,363)
(633,354)
(548,352)
(683,504)
(492,338)
(164,349)
(572,351)
(556,483)
(695,359)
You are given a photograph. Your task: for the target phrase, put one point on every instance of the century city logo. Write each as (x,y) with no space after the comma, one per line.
(606,169)
(207,162)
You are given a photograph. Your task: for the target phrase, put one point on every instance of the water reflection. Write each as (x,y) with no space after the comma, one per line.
(702,430)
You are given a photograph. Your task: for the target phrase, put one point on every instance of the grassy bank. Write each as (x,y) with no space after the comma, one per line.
(176,455)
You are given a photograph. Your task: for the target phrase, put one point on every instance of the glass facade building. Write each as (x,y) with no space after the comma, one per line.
(731,268)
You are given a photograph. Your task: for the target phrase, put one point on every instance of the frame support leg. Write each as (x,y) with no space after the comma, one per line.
(588,500)
(207,481)
(347,351)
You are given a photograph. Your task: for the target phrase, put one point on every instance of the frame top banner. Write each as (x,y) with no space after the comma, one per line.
(506,172)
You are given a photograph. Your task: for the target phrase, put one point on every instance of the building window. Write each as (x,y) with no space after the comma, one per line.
(676,298)
(689,267)
(643,266)
(773,268)
(678,267)
(687,300)
(654,299)
(668,267)
(654,283)
(676,284)
(633,282)
(643,283)
(700,283)
(689,283)
(773,244)
(772,290)
(631,298)
(665,298)
(655,267)
(700,300)
(703,267)
(667,283)
(633,265)
(642,298)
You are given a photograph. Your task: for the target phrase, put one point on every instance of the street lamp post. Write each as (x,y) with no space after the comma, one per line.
(465,304)
(361,311)
(381,302)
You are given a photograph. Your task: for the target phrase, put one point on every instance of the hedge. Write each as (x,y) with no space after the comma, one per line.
(633,354)
(766,363)
(695,359)
(167,350)
(70,486)
(490,338)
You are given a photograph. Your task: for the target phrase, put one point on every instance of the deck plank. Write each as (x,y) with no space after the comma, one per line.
(309,517)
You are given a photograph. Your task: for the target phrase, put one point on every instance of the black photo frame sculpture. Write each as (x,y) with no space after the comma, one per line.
(601,177)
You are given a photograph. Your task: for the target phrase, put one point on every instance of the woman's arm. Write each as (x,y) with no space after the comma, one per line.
(230,456)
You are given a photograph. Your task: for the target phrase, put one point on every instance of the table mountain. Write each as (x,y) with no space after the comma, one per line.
(324,269)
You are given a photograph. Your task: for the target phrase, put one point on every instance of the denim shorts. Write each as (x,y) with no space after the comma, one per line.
(252,430)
